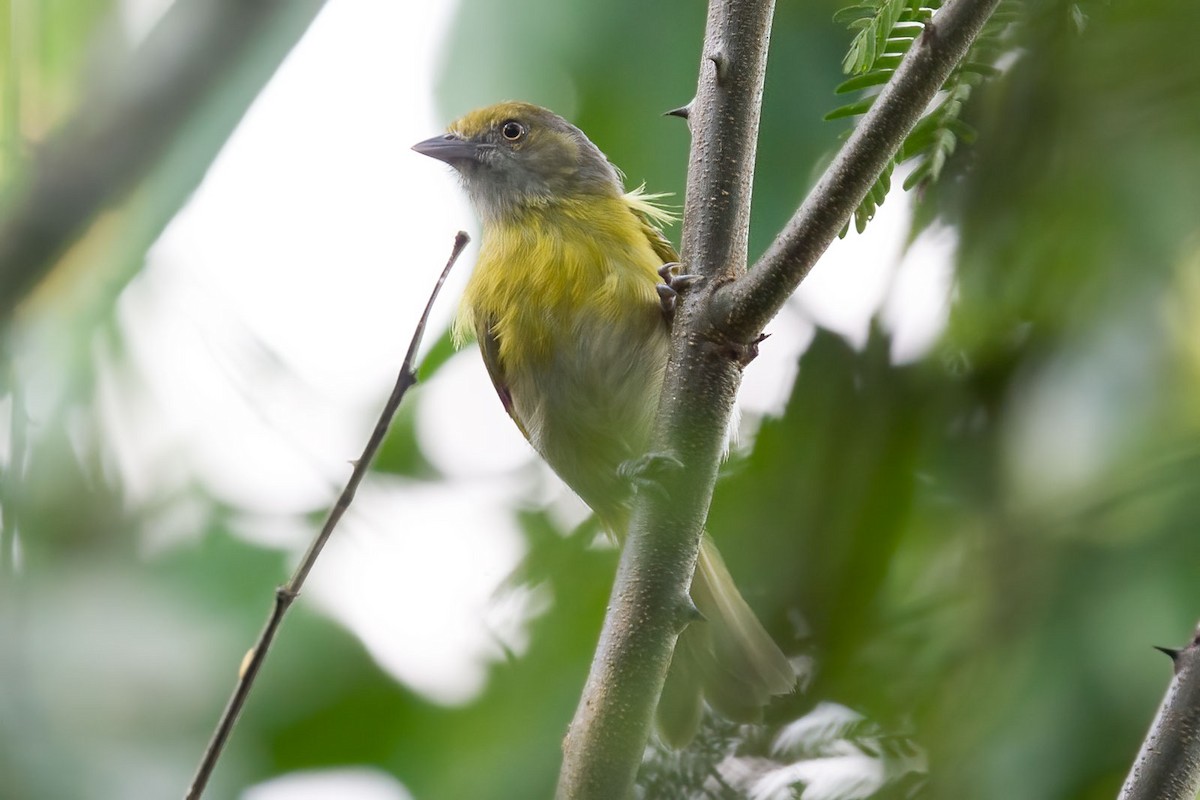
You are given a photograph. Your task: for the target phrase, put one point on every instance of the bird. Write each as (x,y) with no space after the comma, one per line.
(571,302)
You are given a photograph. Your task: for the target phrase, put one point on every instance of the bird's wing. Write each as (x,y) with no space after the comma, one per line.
(489,346)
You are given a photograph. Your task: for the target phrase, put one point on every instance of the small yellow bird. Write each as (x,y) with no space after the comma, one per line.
(568,304)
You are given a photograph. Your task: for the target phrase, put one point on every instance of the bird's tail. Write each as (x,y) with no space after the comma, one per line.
(728,658)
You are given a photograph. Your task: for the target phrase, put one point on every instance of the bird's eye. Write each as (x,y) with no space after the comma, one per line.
(512,130)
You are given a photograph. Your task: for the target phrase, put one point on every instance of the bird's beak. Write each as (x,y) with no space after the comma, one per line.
(448,147)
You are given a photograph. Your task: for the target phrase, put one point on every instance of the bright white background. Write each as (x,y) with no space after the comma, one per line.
(274,313)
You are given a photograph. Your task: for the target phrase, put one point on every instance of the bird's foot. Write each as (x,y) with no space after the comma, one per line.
(672,286)
(645,473)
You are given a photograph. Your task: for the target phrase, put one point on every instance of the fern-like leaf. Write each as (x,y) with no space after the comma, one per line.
(873,23)
(884,30)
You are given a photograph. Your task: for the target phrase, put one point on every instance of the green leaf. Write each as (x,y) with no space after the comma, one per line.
(897,46)
(861,218)
(862,53)
(917,175)
(962,130)
(852,110)
(844,16)
(921,15)
(880,188)
(865,81)
(888,62)
(884,33)
(979,68)
(921,132)
(907,29)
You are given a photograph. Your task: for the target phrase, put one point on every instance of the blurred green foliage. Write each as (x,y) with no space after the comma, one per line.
(976,550)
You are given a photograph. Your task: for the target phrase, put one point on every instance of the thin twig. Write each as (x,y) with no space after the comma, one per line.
(1168,765)
(284,595)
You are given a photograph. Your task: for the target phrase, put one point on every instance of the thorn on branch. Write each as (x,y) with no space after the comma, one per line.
(686,613)
(1176,653)
(721,62)
(1168,763)
(929,35)
(1170,651)
(742,353)
(683,112)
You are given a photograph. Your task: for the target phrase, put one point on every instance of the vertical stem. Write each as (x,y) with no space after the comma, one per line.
(724,122)
(650,604)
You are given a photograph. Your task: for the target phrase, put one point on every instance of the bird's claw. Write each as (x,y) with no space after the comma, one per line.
(673,284)
(646,472)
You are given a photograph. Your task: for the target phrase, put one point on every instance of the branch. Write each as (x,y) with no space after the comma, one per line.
(284,595)
(1168,765)
(744,307)
(650,603)
(714,336)
(126,122)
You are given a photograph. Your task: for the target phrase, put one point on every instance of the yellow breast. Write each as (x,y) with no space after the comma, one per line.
(539,275)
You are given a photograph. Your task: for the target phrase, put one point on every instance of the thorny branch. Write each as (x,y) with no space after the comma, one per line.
(715,329)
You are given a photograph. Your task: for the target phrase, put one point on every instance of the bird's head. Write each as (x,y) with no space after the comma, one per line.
(516,156)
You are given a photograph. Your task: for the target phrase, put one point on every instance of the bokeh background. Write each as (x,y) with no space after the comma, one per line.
(963,497)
